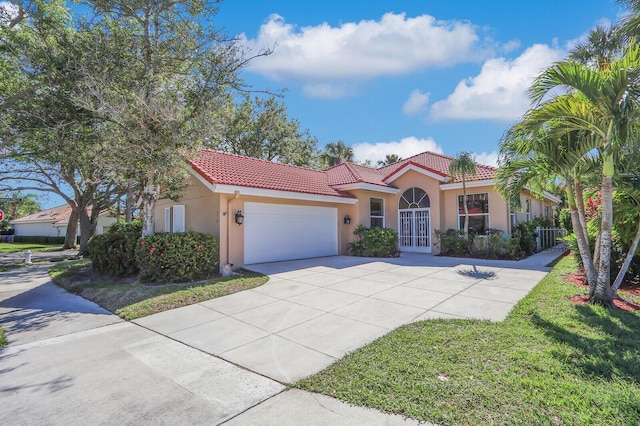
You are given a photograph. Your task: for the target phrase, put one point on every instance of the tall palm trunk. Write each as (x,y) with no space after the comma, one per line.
(465,203)
(583,246)
(581,209)
(603,294)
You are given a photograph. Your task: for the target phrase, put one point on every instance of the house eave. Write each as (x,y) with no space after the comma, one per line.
(412,167)
(471,184)
(367,187)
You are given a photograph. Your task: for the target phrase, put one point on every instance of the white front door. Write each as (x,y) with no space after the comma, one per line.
(414,232)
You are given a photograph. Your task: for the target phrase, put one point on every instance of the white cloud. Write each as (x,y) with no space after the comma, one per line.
(416,103)
(8,11)
(405,148)
(499,91)
(354,51)
(487,158)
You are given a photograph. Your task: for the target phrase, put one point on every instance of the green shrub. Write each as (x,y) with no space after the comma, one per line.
(114,252)
(374,242)
(175,257)
(453,242)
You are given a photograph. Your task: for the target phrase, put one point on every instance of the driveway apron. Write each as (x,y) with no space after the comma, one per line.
(314,311)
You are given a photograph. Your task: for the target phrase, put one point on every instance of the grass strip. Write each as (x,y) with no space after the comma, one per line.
(20,247)
(131,300)
(550,362)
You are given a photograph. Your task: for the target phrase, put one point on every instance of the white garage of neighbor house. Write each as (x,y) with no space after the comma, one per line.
(53,223)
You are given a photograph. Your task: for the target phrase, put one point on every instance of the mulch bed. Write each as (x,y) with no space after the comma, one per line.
(579,280)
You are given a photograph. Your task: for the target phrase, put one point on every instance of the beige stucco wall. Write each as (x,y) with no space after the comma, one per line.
(537,207)
(202,209)
(498,210)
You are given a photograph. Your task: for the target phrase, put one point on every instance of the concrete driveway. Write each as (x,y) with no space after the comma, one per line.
(71,362)
(313,311)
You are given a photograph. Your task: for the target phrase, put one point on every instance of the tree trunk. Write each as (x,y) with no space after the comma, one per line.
(128,209)
(72,230)
(85,231)
(627,262)
(583,246)
(596,252)
(581,210)
(466,207)
(603,294)
(149,198)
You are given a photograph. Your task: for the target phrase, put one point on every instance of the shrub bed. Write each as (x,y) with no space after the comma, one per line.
(176,257)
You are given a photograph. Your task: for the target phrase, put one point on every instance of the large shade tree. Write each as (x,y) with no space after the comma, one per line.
(173,68)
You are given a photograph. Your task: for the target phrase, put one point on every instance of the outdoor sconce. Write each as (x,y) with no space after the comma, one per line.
(239,217)
(347,219)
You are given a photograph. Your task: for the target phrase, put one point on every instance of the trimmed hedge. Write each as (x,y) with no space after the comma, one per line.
(175,257)
(374,242)
(114,252)
(33,239)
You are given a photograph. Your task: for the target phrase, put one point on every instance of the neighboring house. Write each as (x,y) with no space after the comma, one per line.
(53,223)
(292,212)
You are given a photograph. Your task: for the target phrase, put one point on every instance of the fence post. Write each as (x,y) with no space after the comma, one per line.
(538,245)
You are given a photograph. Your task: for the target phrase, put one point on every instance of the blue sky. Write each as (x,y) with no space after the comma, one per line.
(407,76)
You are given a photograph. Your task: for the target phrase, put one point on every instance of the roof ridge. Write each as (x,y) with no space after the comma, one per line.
(213,151)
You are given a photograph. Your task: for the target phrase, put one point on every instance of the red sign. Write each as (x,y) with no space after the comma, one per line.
(1,215)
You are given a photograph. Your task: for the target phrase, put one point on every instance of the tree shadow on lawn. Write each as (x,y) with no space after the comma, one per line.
(612,354)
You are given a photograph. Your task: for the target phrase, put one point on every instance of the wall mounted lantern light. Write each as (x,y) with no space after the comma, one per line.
(239,217)
(347,219)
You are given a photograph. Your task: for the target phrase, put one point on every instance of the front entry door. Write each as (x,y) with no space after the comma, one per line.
(414,230)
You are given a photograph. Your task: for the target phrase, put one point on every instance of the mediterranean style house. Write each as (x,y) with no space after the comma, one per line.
(261,211)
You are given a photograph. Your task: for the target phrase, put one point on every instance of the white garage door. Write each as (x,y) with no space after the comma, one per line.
(276,232)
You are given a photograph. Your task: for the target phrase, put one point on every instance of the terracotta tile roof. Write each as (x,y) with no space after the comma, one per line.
(439,164)
(56,215)
(236,170)
(345,173)
(52,215)
(229,169)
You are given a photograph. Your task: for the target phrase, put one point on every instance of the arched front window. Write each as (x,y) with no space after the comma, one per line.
(414,198)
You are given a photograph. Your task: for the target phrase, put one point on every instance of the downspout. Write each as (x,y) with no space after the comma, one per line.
(226,270)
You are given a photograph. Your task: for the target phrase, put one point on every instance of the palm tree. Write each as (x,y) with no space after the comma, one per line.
(606,104)
(464,164)
(389,159)
(600,48)
(336,153)
(536,161)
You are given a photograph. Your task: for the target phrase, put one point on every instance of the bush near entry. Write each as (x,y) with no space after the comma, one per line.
(374,242)
(174,257)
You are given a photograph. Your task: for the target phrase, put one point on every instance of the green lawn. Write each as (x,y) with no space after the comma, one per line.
(550,362)
(131,300)
(20,247)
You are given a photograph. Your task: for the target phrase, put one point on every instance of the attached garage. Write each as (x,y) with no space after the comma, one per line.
(275,232)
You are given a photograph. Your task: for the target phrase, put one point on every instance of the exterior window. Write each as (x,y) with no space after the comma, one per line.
(528,209)
(478,213)
(547,211)
(514,221)
(376,212)
(174,218)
